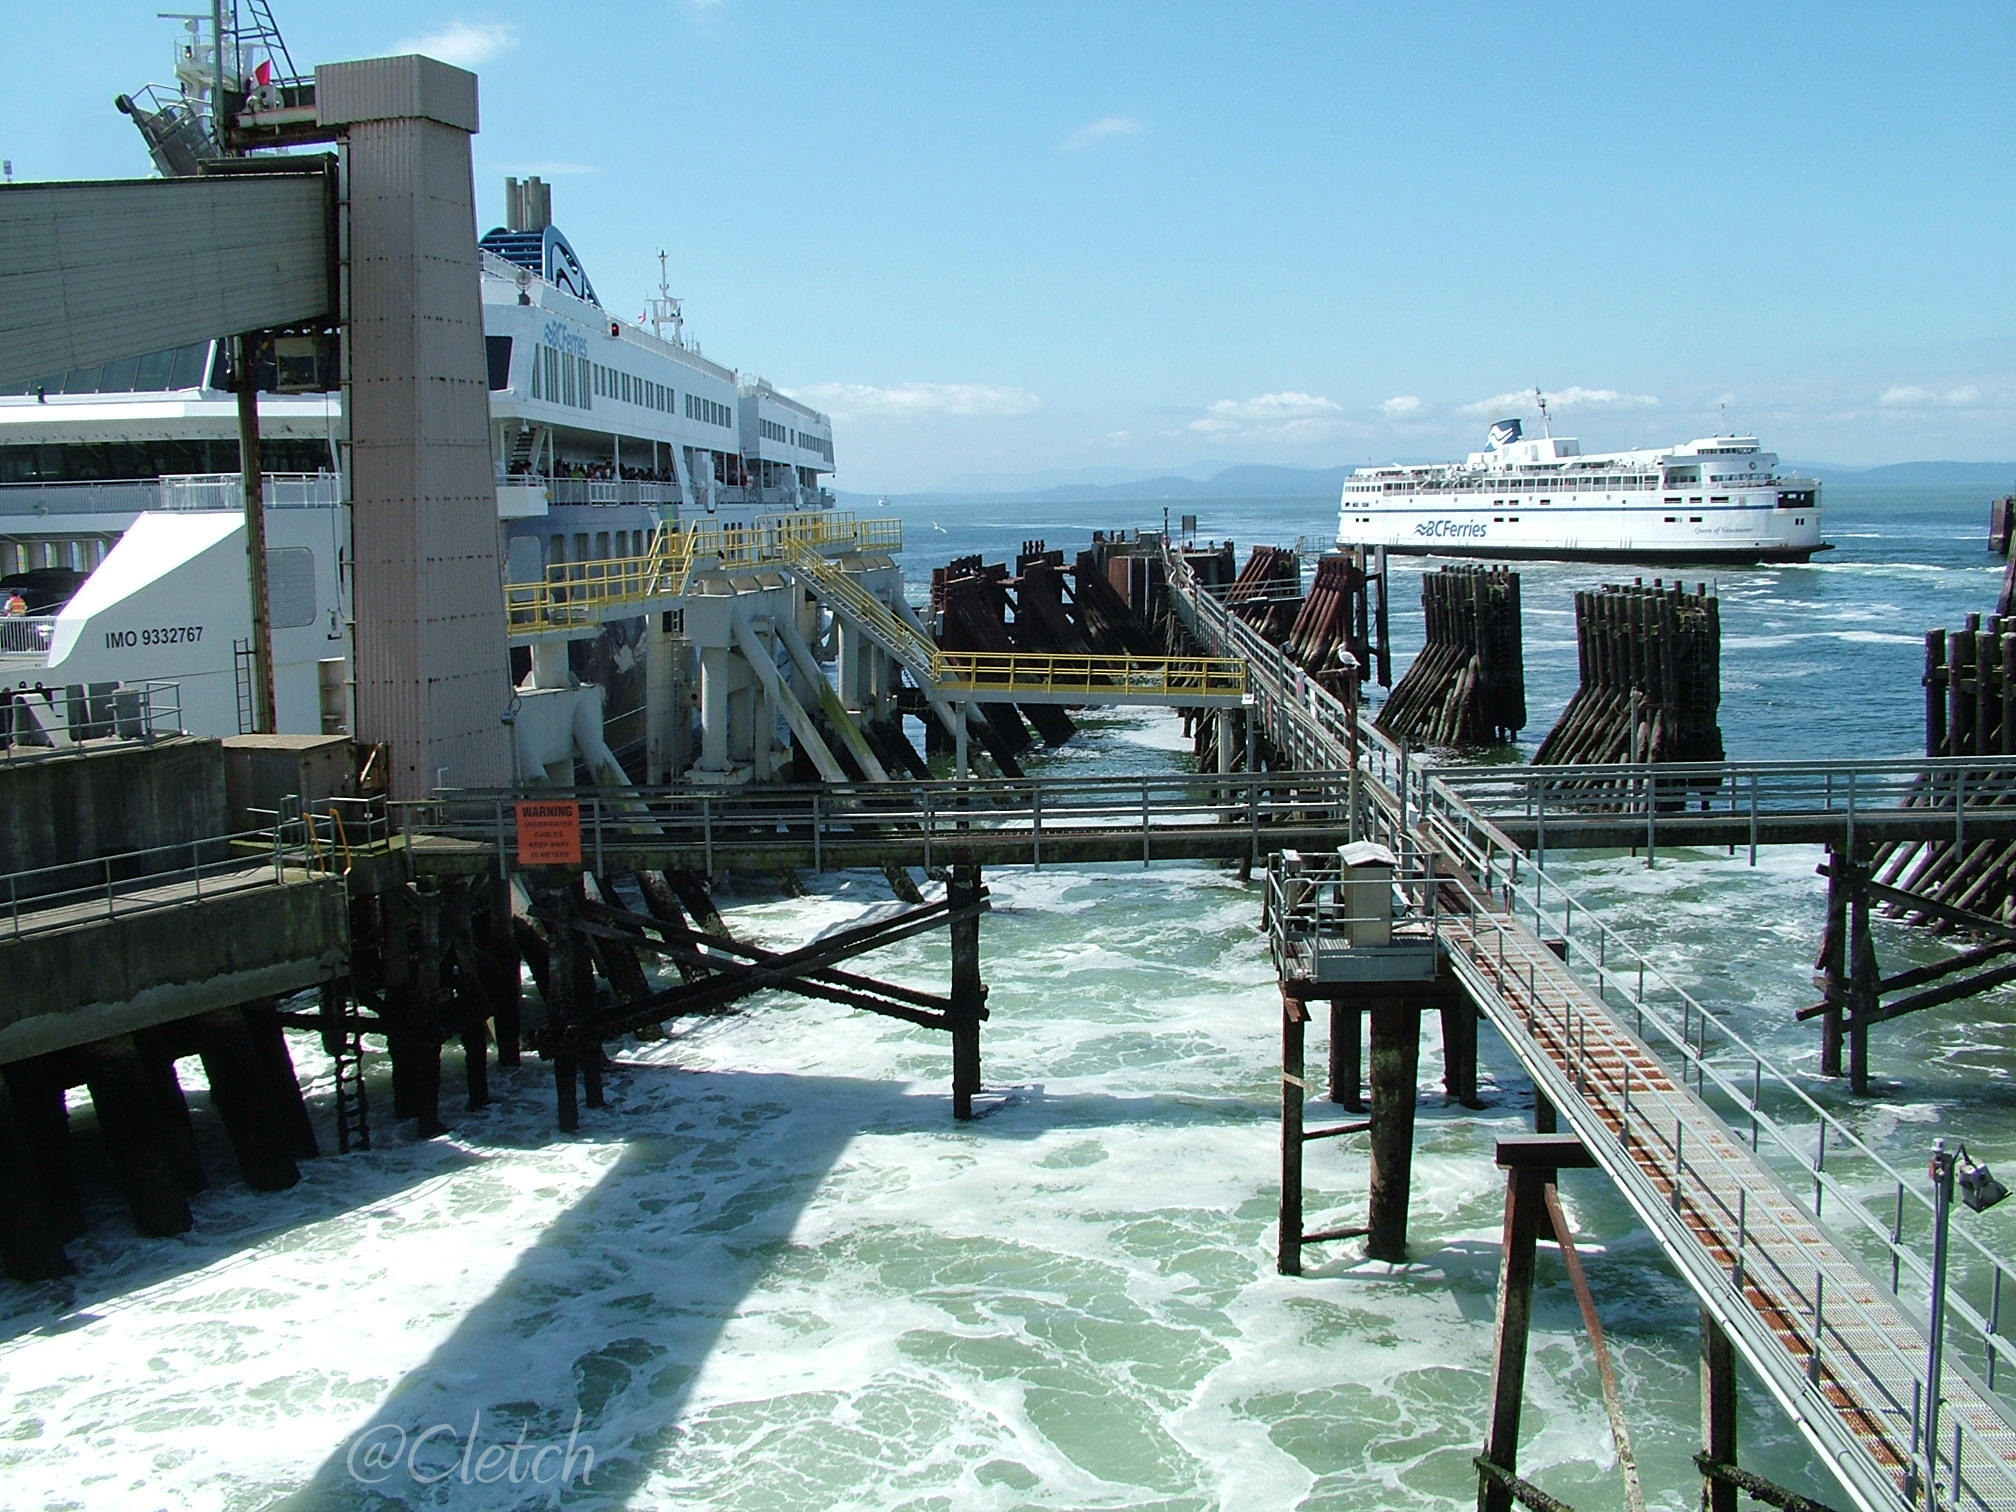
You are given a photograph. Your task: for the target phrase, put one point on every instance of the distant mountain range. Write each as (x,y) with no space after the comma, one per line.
(1260,481)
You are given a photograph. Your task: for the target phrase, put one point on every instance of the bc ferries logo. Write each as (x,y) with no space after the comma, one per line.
(1438,530)
(565,339)
(1504,433)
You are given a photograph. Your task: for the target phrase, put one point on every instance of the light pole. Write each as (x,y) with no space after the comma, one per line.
(1980,1191)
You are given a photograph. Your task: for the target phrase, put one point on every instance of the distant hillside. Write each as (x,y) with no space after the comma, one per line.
(1260,481)
(2000,475)
(1247,482)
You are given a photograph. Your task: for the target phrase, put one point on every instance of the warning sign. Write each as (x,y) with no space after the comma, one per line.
(549,834)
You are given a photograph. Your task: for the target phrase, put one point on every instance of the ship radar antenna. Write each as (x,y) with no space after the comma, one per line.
(665,310)
(1546,420)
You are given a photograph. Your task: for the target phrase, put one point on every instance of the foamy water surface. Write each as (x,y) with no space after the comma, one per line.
(773,1273)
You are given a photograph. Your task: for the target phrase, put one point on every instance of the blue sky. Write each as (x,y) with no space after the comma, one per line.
(1011,238)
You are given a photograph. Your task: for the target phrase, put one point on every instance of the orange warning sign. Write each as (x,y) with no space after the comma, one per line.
(549,834)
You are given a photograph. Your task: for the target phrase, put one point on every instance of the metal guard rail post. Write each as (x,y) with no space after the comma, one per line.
(1462,828)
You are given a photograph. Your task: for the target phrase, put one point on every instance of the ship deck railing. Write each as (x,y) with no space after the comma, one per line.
(569,596)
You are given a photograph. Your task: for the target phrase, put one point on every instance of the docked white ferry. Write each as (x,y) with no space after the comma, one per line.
(1716,500)
(121,517)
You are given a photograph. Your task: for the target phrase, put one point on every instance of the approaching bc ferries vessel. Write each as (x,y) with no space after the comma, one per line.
(1713,500)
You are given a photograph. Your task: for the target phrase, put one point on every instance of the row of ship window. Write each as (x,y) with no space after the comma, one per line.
(562,378)
(1550,484)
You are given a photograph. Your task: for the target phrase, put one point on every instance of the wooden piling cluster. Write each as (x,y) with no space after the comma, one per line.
(144,1124)
(1467,687)
(1340,616)
(1970,710)
(1267,594)
(1038,608)
(1651,678)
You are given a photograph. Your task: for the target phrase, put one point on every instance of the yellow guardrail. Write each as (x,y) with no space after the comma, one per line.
(1096,677)
(573,595)
(1007,674)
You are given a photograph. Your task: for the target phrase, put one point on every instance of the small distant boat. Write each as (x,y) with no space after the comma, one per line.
(1718,499)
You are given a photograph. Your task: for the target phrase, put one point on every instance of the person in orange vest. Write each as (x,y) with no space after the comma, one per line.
(15,603)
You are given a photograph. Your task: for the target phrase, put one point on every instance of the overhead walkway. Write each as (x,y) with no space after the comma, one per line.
(1810,1249)
(1022,677)
(1742,803)
(573,598)
(1018,822)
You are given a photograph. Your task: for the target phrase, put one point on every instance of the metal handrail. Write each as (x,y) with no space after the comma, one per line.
(288,846)
(572,594)
(1404,789)
(936,813)
(1619,967)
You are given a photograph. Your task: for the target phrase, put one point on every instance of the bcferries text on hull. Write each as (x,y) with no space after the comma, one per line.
(1717,500)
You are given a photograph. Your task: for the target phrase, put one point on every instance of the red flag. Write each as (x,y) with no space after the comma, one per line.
(264,74)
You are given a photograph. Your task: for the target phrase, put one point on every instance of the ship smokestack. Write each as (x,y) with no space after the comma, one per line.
(528,206)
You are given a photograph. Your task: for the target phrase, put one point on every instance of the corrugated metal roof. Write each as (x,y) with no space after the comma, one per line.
(93,272)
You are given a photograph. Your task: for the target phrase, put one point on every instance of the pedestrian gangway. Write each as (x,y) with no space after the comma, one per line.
(1740,803)
(1019,676)
(573,598)
(996,822)
(1808,1247)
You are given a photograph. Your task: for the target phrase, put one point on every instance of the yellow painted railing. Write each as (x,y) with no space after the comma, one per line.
(1096,677)
(1006,674)
(578,594)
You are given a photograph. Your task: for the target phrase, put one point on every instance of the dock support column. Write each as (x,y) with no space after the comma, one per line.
(713,709)
(555,905)
(241,1087)
(1525,1209)
(1718,1412)
(1459,1052)
(30,1247)
(503,974)
(969,994)
(662,711)
(1863,984)
(1347,1057)
(960,767)
(129,1113)
(1396,1066)
(1832,962)
(1288,1242)
(44,1117)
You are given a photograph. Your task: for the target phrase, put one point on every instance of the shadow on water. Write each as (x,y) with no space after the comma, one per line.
(612,1311)
(114,1262)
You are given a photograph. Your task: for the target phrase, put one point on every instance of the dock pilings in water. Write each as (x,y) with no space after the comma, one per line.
(1381,1023)
(1651,678)
(1467,686)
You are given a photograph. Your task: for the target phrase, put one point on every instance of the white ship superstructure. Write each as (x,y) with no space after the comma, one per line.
(1714,500)
(121,506)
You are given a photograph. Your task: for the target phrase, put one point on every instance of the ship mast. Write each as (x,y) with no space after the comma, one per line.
(1546,420)
(665,310)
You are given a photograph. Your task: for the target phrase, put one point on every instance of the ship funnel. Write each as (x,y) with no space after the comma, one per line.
(528,206)
(1504,433)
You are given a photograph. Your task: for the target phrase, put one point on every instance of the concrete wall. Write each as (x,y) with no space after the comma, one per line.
(112,976)
(433,669)
(107,799)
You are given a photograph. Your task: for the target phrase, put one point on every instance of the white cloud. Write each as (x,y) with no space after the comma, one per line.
(463,43)
(1403,407)
(1918,398)
(1562,399)
(1287,416)
(913,401)
(1094,132)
